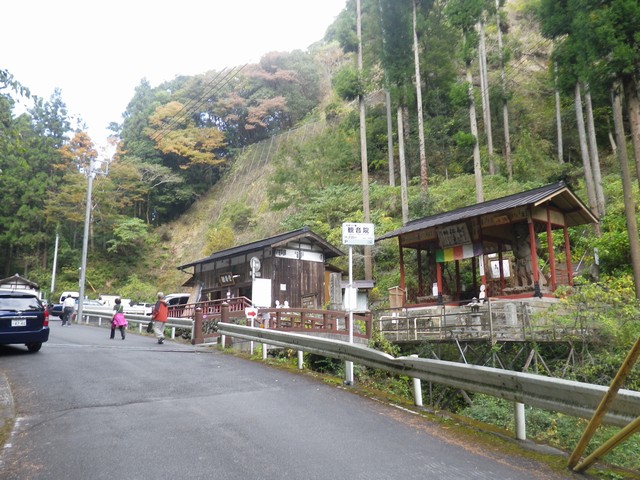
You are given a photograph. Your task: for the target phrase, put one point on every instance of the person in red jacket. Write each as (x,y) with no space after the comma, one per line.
(159,315)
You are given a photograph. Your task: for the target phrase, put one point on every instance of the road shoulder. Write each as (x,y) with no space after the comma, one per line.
(6,409)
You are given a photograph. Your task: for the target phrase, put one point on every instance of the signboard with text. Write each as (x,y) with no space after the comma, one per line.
(358,234)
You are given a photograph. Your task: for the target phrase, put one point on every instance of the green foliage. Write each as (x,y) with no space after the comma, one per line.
(464,140)
(138,290)
(346,83)
(322,364)
(613,244)
(130,237)
(552,428)
(397,40)
(219,237)
(533,157)
(239,213)
(459,94)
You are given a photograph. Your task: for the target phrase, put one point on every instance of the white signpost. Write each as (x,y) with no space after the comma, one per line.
(354,234)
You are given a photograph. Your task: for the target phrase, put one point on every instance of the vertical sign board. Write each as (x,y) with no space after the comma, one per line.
(354,234)
(261,292)
(357,234)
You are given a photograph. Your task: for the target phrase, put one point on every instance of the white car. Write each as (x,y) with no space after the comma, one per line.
(139,309)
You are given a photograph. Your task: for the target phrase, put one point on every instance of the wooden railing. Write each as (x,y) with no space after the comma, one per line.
(210,307)
(330,321)
(284,319)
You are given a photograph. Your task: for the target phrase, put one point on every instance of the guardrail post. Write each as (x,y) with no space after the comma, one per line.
(196,335)
(224,317)
(521,427)
(300,359)
(417,389)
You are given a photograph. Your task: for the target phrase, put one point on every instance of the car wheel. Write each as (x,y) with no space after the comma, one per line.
(34,347)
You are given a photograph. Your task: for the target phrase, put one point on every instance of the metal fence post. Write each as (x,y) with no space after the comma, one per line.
(521,427)
(417,389)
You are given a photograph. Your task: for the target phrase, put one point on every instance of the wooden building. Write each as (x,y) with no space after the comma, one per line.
(284,269)
(16,282)
(493,235)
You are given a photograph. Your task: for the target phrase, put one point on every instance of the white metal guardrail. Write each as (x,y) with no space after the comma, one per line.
(565,396)
(103,316)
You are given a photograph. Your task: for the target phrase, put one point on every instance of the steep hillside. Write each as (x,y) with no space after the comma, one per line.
(245,182)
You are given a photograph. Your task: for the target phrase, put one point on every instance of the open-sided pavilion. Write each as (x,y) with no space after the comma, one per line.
(484,234)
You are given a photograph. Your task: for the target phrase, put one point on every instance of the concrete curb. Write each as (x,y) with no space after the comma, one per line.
(6,407)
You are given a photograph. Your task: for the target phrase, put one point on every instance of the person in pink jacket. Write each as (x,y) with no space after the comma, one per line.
(118,320)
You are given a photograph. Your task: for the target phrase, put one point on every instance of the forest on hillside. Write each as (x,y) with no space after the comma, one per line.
(459,101)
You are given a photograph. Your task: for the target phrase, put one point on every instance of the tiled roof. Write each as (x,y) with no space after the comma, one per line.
(277,240)
(557,193)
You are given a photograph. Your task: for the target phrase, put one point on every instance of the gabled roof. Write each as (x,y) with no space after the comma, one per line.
(276,241)
(16,281)
(558,194)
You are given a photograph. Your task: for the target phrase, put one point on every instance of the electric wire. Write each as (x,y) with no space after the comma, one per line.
(214,86)
(192,104)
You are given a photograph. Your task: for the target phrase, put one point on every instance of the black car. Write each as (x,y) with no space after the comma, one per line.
(56,310)
(23,319)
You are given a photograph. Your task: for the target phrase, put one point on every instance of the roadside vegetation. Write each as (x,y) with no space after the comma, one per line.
(203,164)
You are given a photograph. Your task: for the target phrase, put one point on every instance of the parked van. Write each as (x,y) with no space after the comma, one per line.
(177,298)
(64,295)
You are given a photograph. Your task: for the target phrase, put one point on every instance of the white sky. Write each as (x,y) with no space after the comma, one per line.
(98,51)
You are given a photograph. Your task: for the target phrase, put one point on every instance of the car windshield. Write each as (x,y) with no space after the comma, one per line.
(19,304)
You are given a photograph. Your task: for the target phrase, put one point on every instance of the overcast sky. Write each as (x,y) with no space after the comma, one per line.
(97,52)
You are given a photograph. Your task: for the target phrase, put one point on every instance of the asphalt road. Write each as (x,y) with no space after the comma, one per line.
(88,407)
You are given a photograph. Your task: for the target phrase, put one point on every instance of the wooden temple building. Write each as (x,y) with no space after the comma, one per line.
(492,248)
(286,269)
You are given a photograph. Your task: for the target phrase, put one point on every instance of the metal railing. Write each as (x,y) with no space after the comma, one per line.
(494,320)
(141,321)
(554,394)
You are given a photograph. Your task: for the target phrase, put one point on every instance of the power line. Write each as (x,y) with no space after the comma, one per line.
(214,86)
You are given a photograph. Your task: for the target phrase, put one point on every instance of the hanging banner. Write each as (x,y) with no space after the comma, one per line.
(458,252)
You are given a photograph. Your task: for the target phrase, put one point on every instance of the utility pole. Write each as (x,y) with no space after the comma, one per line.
(55,262)
(368,263)
(93,170)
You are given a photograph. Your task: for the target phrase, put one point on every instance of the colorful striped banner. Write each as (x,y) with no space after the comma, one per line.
(458,252)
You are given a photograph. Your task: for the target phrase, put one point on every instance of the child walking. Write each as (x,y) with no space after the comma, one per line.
(118,319)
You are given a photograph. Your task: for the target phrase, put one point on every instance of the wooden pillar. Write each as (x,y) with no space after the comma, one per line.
(534,260)
(567,253)
(197,336)
(439,280)
(401,265)
(474,274)
(481,260)
(502,281)
(420,279)
(552,257)
(458,290)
